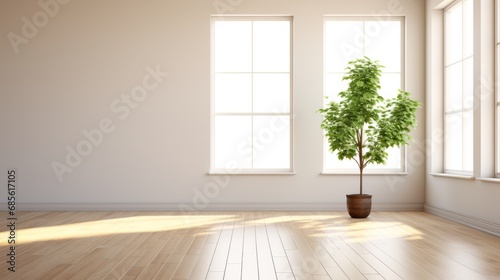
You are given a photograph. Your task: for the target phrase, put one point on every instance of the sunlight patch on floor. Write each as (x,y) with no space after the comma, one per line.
(295,218)
(137,224)
(374,230)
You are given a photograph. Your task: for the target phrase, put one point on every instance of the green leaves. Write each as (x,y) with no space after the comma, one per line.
(362,126)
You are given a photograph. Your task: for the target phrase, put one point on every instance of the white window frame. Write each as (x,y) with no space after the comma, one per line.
(368,171)
(232,168)
(497,91)
(445,113)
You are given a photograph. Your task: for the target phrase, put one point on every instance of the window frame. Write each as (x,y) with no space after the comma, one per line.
(232,168)
(497,80)
(403,169)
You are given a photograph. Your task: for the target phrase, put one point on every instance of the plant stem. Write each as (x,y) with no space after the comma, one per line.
(361,163)
(361,181)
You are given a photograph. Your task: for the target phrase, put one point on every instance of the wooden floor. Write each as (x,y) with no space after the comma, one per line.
(247,245)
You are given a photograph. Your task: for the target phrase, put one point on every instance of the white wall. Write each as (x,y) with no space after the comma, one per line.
(65,78)
(473,202)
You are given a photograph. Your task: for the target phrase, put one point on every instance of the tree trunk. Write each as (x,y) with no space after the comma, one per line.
(361,181)
(361,162)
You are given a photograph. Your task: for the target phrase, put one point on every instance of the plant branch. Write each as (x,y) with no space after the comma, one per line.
(356,162)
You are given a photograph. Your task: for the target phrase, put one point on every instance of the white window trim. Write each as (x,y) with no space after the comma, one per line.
(403,170)
(497,91)
(230,170)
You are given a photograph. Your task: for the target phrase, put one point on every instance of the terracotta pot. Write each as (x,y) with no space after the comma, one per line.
(359,205)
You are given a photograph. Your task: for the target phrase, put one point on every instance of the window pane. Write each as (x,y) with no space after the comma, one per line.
(468,27)
(393,160)
(468,160)
(233,46)
(497,83)
(271,42)
(390,84)
(271,140)
(498,137)
(497,19)
(271,93)
(343,43)
(453,160)
(453,33)
(333,85)
(468,80)
(332,162)
(233,141)
(233,93)
(454,87)
(383,43)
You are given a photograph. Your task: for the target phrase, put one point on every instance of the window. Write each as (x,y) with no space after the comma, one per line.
(497,67)
(458,73)
(348,38)
(251,94)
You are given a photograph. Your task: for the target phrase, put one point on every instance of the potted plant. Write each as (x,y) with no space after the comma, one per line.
(363,125)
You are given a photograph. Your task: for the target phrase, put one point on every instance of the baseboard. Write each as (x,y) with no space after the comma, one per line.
(205,207)
(476,223)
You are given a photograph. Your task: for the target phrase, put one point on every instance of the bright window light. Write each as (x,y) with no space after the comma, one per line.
(251,94)
(348,38)
(459,88)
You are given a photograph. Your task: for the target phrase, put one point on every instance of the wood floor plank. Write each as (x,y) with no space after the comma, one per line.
(283,223)
(298,265)
(401,263)
(161,257)
(277,249)
(233,271)
(282,265)
(215,275)
(374,277)
(220,257)
(151,250)
(347,267)
(249,243)
(382,270)
(321,277)
(236,246)
(249,266)
(336,273)
(202,266)
(264,256)
(302,238)
(185,267)
(285,276)
(359,262)
(175,259)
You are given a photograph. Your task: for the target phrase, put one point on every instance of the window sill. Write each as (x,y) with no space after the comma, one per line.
(491,180)
(252,173)
(454,176)
(395,173)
